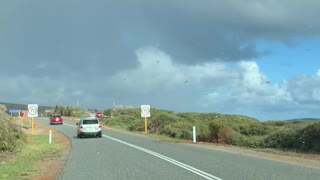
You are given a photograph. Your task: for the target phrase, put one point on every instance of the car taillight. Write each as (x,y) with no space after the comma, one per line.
(100,126)
(81,127)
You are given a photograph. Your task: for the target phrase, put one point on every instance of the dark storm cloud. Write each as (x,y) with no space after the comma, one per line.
(228,30)
(67,36)
(104,34)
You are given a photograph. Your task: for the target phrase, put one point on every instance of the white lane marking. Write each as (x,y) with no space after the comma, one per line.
(175,162)
(69,125)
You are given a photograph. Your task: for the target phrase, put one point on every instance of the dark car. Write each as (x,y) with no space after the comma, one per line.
(56,119)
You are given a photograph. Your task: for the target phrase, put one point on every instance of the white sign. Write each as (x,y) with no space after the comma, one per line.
(145,111)
(32,110)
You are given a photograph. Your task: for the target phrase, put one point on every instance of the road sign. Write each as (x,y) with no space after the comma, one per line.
(32,110)
(145,111)
(14,111)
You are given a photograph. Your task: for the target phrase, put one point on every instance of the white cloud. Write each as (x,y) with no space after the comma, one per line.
(156,69)
(306,89)
(233,88)
(215,87)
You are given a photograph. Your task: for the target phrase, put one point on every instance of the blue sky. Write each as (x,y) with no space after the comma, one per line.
(261,60)
(289,62)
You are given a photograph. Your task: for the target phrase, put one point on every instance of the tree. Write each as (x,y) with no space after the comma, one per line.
(219,132)
(3,108)
(60,109)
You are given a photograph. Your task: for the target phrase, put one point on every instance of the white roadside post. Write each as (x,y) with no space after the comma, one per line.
(50,136)
(194,134)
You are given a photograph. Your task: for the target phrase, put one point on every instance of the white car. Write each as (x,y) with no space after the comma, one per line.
(89,126)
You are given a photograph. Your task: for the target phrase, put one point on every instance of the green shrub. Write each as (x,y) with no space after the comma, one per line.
(254,142)
(220,132)
(159,121)
(238,139)
(115,122)
(247,141)
(283,139)
(137,126)
(180,130)
(274,123)
(199,117)
(256,129)
(309,138)
(203,132)
(10,136)
(170,131)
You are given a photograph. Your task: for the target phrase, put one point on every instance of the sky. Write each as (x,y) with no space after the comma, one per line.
(250,57)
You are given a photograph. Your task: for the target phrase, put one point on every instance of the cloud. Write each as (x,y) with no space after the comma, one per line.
(157,70)
(106,33)
(229,29)
(306,89)
(183,55)
(163,82)
(220,87)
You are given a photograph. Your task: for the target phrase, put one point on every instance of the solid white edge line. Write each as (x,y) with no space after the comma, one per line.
(185,166)
(175,162)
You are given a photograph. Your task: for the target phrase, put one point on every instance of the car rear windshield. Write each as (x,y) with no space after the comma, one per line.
(94,121)
(56,116)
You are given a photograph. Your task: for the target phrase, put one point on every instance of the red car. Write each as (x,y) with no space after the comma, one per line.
(99,115)
(56,119)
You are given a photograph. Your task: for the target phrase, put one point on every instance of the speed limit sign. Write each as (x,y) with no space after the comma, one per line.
(145,111)
(32,110)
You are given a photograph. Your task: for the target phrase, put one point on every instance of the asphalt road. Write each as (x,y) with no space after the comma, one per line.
(119,155)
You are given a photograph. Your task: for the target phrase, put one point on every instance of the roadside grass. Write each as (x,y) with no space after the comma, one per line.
(168,139)
(36,149)
(285,152)
(177,140)
(165,138)
(150,135)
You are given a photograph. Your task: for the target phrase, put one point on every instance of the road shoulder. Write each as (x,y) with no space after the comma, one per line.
(51,168)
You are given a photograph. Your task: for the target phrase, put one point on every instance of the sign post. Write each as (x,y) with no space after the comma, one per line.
(32,112)
(32,125)
(145,125)
(145,112)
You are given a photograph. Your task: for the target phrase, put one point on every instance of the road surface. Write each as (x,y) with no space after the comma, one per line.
(119,155)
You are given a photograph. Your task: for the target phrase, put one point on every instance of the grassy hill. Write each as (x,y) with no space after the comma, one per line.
(236,130)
